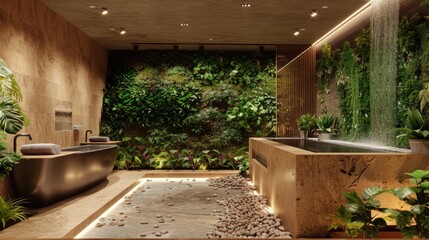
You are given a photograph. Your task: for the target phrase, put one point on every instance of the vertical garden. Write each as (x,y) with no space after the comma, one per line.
(349,68)
(188,109)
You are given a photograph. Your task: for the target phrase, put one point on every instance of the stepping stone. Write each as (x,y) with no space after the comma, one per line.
(158,234)
(164,232)
(144,222)
(158,216)
(142,234)
(155,226)
(99,224)
(121,224)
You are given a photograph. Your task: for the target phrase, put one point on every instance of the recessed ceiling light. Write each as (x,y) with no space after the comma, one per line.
(296,33)
(246,5)
(210,39)
(324,7)
(184,25)
(113,29)
(122,32)
(92,6)
(104,11)
(313,13)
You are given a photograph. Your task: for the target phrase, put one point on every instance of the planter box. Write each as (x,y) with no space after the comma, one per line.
(419,146)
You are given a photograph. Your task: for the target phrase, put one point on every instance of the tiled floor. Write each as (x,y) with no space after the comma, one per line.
(67,218)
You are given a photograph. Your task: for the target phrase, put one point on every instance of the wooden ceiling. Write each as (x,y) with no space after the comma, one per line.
(216,24)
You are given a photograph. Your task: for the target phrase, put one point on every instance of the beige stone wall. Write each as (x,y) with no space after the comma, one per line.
(58,67)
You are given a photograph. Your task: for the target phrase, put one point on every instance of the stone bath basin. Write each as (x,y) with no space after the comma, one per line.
(305,187)
(45,179)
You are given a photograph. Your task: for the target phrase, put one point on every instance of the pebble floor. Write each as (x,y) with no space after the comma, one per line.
(163,208)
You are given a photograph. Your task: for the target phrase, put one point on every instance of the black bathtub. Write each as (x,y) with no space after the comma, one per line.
(46,179)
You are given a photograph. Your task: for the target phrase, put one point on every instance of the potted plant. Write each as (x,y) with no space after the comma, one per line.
(325,127)
(359,217)
(417,131)
(356,219)
(305,123)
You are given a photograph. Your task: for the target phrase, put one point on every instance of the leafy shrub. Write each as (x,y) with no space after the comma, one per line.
(11,210)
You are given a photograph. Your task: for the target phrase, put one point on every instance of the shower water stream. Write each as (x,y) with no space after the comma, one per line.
(384,30)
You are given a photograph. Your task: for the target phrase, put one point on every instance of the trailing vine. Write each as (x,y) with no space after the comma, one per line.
(325,73)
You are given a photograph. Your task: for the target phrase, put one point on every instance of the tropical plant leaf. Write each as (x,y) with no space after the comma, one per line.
(372,192)
(417,209)
(404,192)
(11,118)
(419,174)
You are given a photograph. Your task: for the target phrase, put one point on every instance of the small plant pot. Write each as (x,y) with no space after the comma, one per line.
(325,136)
(419,146)
(303,134)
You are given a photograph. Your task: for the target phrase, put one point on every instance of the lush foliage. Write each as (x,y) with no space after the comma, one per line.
(11,210)
(188,109)
(359,215)
(349,67)
(356,216)
(12,119)
(416,126)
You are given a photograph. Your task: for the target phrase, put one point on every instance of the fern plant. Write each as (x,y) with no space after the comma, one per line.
(11,210)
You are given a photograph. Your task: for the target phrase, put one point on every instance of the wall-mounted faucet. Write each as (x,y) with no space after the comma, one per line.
(86,135)
(20,135)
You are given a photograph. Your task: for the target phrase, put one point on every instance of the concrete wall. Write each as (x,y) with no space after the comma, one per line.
(59,69)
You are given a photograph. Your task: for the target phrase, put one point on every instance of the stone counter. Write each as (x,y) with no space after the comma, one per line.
(304,188)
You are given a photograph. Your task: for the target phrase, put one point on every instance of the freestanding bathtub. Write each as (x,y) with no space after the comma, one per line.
(45,179)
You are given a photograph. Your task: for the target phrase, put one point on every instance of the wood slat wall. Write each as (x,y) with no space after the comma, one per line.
(296,91)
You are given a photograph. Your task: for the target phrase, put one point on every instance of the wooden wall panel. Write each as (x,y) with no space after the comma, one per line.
(57,66)
(296,92)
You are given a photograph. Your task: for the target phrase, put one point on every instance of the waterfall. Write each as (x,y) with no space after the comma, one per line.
(384,30)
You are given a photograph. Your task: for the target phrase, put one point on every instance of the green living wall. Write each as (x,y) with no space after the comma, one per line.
(188,109)
(349,67)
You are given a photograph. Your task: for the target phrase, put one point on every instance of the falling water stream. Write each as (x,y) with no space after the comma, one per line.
(384,30)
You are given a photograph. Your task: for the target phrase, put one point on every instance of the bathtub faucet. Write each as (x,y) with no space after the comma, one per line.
(20,135)
(86,135)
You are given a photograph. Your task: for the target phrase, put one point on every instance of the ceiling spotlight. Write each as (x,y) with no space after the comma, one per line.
(296,33)
(324,7)
(92,6)
(210,39)
(122,31)
(184,25)
(104,11)
(313,13)
(246,5)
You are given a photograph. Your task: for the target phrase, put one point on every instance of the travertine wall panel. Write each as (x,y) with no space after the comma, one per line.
(57,66)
